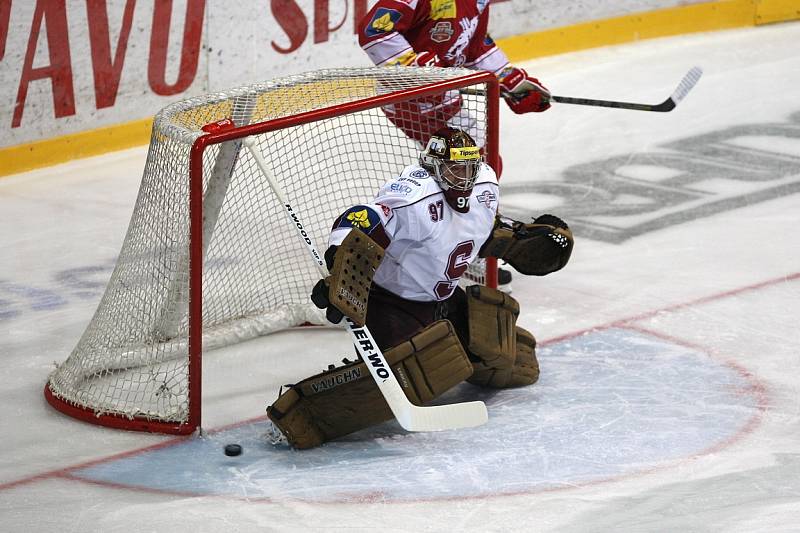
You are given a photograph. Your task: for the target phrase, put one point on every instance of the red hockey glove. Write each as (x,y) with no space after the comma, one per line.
(523,93)
(426,59)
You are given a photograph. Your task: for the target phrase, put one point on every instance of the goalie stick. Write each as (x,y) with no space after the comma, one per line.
(411,417)
(687,83)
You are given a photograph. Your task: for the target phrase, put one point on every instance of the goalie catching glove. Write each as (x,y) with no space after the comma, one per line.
(537,248)
(352,266)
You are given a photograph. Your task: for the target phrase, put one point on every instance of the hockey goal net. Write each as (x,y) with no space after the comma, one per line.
(209,260)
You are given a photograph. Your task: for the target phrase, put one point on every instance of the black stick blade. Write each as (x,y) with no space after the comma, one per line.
(687,83)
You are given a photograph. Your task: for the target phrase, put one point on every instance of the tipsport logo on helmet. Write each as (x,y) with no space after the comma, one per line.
(438,146)
(470,153)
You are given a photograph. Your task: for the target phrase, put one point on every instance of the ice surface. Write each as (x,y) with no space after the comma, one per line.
(669,346)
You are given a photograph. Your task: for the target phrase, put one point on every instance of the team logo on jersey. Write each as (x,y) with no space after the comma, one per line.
(441,32)
(443,9)
(486,198)
(383,21)
(420,173)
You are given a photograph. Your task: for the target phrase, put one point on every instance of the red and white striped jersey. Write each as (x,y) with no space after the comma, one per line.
(394,31)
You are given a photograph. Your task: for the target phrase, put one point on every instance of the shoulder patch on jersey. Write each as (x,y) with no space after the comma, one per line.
(366,219)
(487,198)
(359,216)
(383,21)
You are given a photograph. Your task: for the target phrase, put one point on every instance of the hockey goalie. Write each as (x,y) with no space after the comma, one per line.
(395,265)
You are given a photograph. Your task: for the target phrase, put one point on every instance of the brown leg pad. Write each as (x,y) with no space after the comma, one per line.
(524,372)
(492,319)
(343,400)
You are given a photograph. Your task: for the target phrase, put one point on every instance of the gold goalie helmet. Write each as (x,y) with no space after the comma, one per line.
(454,159)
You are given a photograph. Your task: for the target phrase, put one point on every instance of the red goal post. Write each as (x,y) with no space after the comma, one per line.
(209,260)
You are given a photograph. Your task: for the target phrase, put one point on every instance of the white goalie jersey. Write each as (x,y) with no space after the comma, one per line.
(428,245)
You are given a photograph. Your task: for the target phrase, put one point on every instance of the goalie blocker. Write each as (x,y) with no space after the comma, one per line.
(352,266)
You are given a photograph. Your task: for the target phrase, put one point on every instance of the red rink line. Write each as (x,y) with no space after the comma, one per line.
(629,323)
(66,473)
(756,389)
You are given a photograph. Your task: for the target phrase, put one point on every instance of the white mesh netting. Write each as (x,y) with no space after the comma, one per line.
(133,359)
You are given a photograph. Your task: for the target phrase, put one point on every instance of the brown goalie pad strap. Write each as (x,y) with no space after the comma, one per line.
(492,316)
(354,266)
(343,400)
(524,372)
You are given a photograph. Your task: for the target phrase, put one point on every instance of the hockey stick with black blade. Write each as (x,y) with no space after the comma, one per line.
(687,83)
(411,417)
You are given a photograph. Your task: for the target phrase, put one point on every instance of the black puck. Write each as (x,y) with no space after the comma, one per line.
(232,450)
